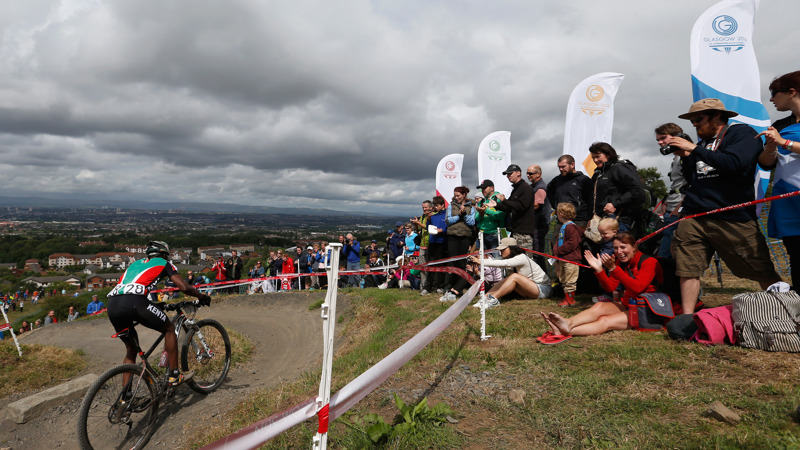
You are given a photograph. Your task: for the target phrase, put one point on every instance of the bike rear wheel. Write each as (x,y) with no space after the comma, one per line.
(106,420)
(206,349)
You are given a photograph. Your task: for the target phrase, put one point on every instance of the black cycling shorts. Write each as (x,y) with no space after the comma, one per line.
(125,311)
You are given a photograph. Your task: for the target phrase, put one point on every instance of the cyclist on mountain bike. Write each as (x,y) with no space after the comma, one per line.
(128,304)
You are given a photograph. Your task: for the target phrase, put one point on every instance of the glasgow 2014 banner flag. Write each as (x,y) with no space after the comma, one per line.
(590,116)
(724,65)
(448,175)
(494,156)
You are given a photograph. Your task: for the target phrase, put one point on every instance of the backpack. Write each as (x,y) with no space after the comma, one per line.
(649,311)
(767,320)
(645,223)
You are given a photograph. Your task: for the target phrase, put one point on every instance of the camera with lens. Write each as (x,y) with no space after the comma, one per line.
(667,149)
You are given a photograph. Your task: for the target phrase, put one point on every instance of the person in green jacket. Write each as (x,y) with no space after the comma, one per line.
(488,219)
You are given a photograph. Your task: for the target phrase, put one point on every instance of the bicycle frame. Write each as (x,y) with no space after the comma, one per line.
(180,322)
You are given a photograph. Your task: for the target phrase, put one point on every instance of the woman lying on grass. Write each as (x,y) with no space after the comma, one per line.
(621,270)
(527,279)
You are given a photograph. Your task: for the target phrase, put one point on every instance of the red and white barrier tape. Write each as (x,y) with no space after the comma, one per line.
(719,210)
(261,432)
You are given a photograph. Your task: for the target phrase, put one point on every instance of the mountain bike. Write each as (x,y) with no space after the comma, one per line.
(120,408)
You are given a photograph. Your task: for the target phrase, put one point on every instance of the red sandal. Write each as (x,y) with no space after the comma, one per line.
(548,338)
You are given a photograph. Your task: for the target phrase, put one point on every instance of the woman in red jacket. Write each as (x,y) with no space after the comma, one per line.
(622,271)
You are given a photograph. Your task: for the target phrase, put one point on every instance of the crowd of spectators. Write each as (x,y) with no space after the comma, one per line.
(716,172)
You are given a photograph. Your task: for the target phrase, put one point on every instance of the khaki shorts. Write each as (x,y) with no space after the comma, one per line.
(740,244)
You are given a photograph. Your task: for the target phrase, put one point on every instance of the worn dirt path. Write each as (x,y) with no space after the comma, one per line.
(287,338)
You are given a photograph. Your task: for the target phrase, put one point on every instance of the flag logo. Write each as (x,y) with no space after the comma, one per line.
(594,94)
(495,147)
(450,165)
(725,26)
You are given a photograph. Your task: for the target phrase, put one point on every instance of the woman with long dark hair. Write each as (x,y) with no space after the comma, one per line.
(617,190)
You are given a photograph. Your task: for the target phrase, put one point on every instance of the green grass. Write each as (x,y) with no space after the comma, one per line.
(622,389)
(24,373)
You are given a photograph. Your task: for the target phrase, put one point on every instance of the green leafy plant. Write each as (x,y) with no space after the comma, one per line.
(409,419)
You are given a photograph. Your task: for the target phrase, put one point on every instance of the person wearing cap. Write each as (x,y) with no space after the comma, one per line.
(395,240)
(487,218)
(370,249)
(519,205)
(528,279)
(571,186)
(543,210)
(721,171)
(94,306)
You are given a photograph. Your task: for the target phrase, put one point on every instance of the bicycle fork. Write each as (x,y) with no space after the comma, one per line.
(202,355)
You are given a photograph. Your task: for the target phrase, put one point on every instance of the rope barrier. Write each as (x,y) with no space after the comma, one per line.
(719,210)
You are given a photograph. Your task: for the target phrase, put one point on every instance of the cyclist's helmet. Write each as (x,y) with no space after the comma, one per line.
(157,249)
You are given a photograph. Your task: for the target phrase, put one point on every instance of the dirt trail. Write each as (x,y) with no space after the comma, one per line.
(288,341)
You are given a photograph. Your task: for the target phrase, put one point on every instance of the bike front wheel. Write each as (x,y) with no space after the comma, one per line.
(118,410)
(206,350)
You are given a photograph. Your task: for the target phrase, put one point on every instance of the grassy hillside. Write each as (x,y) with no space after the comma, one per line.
(622,389)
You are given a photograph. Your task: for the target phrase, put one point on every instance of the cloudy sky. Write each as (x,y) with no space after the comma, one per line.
(341,104)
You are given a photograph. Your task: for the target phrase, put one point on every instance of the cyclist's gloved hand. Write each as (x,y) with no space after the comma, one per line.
(205,300)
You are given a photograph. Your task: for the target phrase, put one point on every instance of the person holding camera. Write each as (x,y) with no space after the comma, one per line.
(678,183)
(352,254)
(520,206)
(460,220)
(488,219)
(720,170)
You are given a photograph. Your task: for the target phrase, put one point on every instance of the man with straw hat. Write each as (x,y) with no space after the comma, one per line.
(720,170)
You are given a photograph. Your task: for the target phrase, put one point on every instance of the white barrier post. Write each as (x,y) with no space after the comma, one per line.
(328,327)
(484,336)
(11,329)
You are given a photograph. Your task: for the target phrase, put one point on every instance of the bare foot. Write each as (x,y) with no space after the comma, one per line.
(553,328)
(559,322)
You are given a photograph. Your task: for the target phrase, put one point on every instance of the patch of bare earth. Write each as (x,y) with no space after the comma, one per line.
(288,342)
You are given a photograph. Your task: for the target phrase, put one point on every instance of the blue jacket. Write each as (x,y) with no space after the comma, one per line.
(94,307)
(411,246)
(352,252)
(439,220)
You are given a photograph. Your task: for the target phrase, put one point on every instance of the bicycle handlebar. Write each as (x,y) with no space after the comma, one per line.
(181,305)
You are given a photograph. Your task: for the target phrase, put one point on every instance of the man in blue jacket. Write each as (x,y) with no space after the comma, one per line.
(95,306)
(352,254)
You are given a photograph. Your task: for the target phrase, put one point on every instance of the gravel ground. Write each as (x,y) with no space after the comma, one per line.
(288,341)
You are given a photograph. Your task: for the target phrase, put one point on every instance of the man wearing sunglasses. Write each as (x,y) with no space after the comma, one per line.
(720,171)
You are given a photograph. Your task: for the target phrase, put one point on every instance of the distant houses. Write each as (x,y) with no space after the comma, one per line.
(41,282)
(101,280)
(121,260)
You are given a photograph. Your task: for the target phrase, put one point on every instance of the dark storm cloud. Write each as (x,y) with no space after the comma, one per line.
(334,104)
